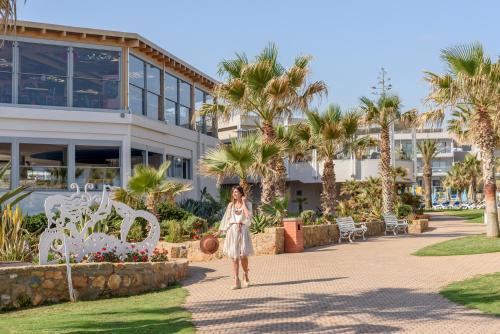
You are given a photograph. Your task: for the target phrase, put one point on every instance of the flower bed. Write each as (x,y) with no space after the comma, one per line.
(33,285)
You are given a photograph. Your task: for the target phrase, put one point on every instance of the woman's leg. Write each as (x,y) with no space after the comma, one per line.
(236,271)
(244,266)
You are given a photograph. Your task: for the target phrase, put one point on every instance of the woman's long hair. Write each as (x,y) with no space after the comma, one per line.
(240,190)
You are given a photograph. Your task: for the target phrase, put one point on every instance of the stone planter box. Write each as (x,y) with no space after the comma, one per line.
(418,226)
(33,285)
(270,242)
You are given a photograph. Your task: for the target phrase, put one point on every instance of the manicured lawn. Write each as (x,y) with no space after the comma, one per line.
(474,244)
(482,293)
(471,216)
(158,312)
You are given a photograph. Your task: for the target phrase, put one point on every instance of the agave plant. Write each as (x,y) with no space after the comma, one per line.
(259,223)
(276,210)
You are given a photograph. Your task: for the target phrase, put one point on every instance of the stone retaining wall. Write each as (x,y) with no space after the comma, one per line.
(270,242)
(33,285)
(320,235)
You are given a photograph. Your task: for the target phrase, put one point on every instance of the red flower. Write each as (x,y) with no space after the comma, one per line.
(135,258)
(98,253)
(133,246)
(142,252)
(144,258)
(104,248)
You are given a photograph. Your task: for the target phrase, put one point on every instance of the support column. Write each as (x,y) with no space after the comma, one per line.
(125,160)
(71,165)
(14,167)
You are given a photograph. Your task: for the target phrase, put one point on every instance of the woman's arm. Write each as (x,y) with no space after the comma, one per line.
(247,211)
(225,219)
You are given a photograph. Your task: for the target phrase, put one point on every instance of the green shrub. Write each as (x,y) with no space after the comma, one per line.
(404,210)
(308,217)
(138,231)
(415,201)
(194,226)
(167,211)
(36,223)
(173,230)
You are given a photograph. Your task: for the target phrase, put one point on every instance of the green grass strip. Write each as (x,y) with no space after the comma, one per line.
(482,293)
(157,312)
(474,244)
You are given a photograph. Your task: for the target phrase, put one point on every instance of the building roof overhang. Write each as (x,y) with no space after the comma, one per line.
(125,39)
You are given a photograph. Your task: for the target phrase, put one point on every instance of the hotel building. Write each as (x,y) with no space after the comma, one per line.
(83,105)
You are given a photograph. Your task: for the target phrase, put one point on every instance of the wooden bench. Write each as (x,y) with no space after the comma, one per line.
(349,229)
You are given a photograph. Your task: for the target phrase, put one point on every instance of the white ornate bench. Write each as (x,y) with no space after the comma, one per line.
(393,224)
(72,222)
(349,229)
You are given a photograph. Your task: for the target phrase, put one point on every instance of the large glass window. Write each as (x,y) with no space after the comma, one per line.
(137,157)
(5,160)
(155,159)
(204,124)
(99,165)
(96,75)
(136,80)
(43,166)
(6,72)
(171,98)
(154,92)
(179,167)
(185,104)
(43,71)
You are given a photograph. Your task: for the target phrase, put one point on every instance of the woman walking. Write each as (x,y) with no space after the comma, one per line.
(235,225)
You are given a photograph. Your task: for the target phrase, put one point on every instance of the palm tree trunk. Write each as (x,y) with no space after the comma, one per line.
(151,201)
(280,188)
(473,189)
(385,171)
(486,143)
(328,192)
(427,185)
(268,180)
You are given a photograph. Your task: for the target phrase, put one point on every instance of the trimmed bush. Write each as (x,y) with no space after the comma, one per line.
(308,217)
(404,210)
(36,223)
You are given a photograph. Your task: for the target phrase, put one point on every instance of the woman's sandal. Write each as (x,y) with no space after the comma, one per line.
(237,285)
(246,281)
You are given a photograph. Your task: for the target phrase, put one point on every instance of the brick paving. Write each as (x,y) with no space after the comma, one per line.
(373,286)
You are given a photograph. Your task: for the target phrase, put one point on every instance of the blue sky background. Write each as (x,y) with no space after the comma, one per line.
(349,40)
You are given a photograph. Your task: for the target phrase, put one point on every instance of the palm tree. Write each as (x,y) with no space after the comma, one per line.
(472,169)
(472,82)
(243,158)
(8,15)
(456,178)
(397,172)
(264,88)
(429,149)
(383,113)
(149,185)
(331,134)
(14,196)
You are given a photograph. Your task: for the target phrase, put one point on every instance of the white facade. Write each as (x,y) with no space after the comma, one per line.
(81,105)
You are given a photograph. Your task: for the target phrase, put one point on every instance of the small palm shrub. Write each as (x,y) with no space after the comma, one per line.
(259,223)
(308,217)
(14,238)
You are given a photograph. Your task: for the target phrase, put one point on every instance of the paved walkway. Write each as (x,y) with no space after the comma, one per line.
(374,286)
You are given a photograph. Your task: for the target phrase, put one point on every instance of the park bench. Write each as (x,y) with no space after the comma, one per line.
(348,229)
(393,224)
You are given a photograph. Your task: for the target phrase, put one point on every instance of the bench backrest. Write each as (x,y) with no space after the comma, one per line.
(345,223)
(389,218)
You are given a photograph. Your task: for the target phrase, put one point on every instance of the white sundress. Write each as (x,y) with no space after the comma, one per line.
(238,242)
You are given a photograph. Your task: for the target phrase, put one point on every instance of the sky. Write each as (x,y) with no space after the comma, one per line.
(349,40)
